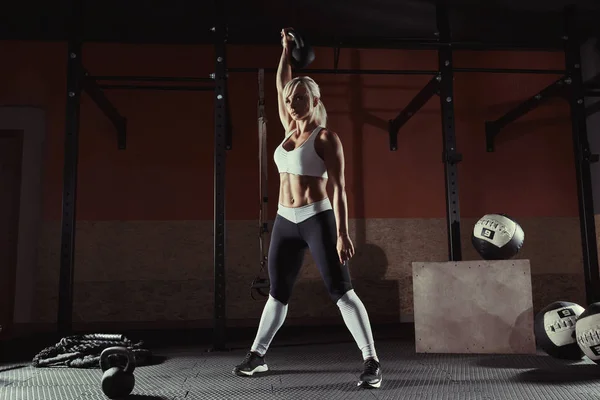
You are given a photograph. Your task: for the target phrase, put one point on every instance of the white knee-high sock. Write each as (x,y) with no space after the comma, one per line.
(356,318)
(271,320)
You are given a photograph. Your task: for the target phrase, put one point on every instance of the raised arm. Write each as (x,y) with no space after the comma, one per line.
(284,75)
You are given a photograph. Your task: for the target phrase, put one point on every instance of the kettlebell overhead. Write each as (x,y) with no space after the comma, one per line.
(302,53)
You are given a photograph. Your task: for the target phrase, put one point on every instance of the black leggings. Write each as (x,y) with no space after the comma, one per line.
(286,255)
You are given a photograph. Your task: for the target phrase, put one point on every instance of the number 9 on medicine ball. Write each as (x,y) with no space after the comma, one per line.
(497,237)
(554,329)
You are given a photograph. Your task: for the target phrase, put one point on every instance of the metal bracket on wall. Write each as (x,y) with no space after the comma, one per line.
(559,88)
(93,90)
(493,128)
(432,87)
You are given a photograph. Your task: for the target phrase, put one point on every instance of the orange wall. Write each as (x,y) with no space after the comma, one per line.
(166,173)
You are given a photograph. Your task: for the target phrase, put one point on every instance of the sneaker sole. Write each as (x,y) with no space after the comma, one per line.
(259,369)
(374,385)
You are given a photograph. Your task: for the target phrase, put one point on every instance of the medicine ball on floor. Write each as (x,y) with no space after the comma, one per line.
(554,329)
(497,237)
(588,332)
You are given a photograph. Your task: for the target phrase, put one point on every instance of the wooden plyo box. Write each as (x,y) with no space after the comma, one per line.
(483,307)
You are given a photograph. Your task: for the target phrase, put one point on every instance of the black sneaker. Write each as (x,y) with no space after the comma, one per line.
(252,364)
(371,376)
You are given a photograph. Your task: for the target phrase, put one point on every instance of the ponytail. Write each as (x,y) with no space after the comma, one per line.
(321,114)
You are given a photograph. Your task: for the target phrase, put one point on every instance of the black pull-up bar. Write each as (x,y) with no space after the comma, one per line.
(179,88)
(340,71)
(153,79)
(511,71)
(141,78)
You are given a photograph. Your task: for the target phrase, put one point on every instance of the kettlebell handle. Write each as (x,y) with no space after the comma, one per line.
(105,363)
(297,39)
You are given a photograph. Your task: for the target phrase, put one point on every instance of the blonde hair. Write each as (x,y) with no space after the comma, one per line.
(319,112)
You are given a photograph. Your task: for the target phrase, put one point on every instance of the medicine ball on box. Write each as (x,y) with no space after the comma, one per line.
(497,237)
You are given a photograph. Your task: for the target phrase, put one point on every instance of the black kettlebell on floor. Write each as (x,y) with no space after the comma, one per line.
(302,53)
(118,364)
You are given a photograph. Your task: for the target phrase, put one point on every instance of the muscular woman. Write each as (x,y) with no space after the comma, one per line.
(310,156)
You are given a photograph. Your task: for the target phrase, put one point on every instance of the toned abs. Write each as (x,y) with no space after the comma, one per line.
(298,191)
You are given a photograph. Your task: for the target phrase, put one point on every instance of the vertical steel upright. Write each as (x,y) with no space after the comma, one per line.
(221,129)
(71,156)
(450,155)
(583,156)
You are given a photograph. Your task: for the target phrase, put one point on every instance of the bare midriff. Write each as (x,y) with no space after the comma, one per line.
(299,190)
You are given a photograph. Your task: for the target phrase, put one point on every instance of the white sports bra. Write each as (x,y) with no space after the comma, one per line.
(303,160)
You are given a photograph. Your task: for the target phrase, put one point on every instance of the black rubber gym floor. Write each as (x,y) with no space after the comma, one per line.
(320,371)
